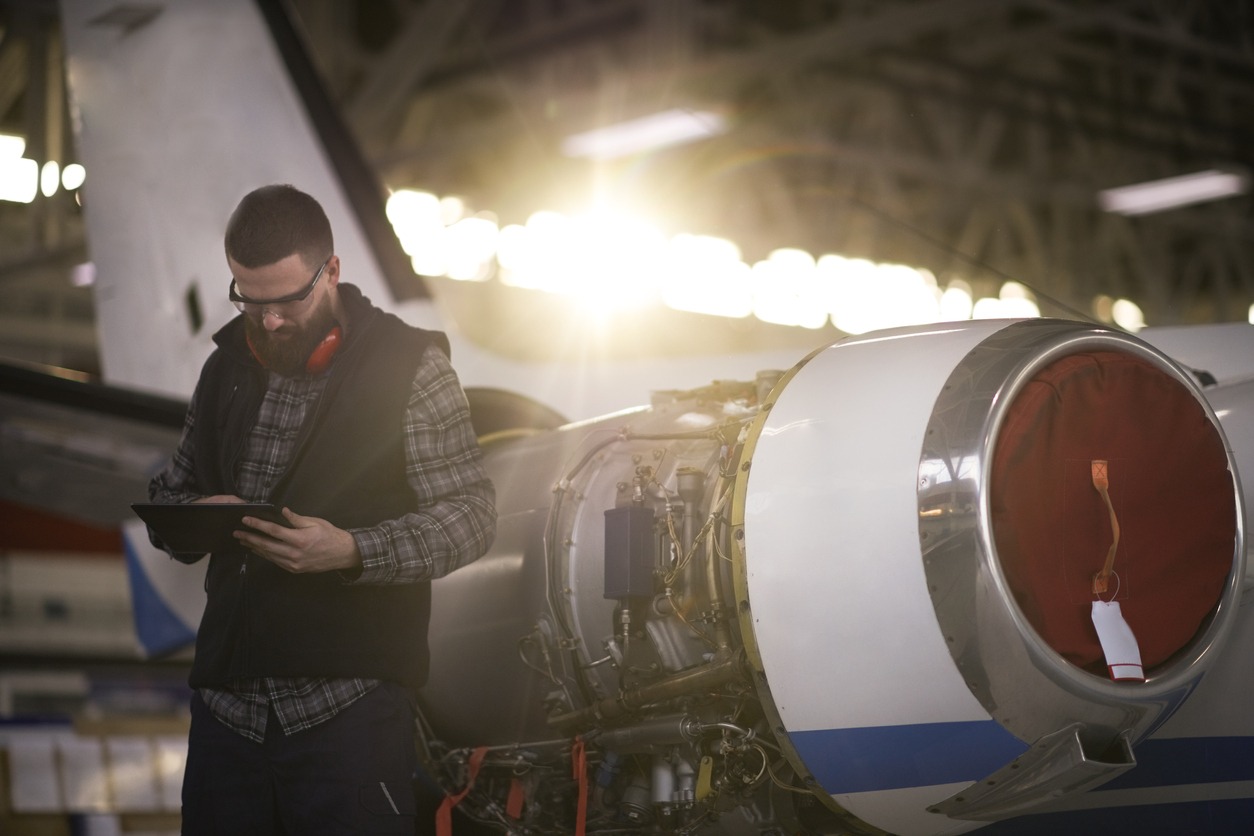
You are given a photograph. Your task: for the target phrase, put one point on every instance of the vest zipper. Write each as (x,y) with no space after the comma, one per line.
(245,615)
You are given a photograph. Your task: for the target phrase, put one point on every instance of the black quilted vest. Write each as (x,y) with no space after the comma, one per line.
(348,468)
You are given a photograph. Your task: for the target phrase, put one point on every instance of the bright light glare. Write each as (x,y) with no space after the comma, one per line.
(1252,314)
(471,245)
(50,178)
(851,287)
(73,177)
(986,307)
(1012,290)
(524,251)
(787,289)
(528,252)
(418,222)
(11,147)
(1128,315)
(19,179)
(1014,301)
(452,209)
(511,252)
(704,274)
(406,206)
(956,302)
(866,296)
(606,260)
(624,256)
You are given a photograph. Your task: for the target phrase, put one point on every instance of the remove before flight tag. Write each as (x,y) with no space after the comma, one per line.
(1123,655)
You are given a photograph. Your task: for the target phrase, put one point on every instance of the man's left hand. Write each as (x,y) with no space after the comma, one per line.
(311,545)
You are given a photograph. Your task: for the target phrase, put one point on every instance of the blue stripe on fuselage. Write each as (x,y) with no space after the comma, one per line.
(894,757)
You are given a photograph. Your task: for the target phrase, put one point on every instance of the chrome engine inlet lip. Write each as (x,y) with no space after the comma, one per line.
(995,373)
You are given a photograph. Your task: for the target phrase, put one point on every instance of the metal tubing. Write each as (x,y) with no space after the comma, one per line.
(718,672)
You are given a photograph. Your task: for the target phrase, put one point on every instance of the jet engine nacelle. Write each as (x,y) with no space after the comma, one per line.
(857,596)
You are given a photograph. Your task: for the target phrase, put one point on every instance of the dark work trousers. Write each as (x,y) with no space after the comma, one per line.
(350,775)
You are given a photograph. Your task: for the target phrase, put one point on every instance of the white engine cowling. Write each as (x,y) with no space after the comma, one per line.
(917,573)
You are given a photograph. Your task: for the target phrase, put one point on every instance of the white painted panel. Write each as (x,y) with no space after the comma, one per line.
(831,536)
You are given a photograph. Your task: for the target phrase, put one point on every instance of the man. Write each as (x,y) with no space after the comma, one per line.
(313,639)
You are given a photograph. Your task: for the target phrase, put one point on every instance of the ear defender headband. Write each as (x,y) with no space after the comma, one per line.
(320,358)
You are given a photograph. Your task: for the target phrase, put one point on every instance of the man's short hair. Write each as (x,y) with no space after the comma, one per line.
(273,222)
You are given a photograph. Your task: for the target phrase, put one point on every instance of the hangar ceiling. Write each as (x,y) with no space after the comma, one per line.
(970,137)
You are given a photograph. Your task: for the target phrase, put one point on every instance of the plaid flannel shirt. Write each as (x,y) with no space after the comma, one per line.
(453,527)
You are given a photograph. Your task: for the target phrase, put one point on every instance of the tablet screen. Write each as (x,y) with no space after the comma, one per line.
(205,526)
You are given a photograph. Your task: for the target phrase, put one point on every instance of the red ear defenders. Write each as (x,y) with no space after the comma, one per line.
(320,358)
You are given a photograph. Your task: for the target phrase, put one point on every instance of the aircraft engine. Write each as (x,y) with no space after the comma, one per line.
(927,579)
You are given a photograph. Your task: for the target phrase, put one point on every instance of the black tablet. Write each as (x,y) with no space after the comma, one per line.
(205,526)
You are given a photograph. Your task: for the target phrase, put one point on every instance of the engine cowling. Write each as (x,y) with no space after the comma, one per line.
(848,598)
(922,503)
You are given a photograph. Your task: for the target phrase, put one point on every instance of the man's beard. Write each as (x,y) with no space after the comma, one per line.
(288,355)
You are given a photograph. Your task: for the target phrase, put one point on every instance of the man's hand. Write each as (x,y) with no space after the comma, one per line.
(311,545)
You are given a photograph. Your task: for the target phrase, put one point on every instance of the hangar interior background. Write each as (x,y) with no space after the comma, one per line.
(964,138)
(965,141)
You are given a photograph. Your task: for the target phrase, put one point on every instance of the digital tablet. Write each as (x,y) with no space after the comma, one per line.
(206,526)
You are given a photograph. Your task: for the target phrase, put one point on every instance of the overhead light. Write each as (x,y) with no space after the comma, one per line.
(19,180)
(50,178)
(12,147)
(83,275)
(1157,195)
(669,127)
(72,176)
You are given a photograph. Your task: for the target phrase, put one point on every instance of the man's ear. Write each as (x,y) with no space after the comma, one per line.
(333,271)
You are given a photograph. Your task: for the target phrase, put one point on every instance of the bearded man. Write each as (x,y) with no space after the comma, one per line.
(314,636)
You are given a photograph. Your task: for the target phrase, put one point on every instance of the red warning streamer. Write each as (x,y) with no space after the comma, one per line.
(444,815)
(579,767)
(517,796)
(1101,480)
